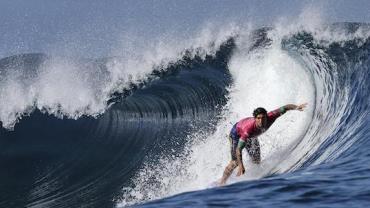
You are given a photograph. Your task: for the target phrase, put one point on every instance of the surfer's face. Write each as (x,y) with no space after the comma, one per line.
(261,120)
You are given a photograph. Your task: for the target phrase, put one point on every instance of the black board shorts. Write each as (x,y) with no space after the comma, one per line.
(252,145)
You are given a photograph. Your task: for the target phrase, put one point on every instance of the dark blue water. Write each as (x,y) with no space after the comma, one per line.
(51,159)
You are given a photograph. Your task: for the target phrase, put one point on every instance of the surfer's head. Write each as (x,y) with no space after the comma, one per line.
(260,114)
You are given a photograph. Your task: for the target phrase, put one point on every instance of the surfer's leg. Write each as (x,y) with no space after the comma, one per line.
(232,164)
(254,151)
(228,171)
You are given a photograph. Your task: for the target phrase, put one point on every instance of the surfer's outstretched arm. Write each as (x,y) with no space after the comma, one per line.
(295,107)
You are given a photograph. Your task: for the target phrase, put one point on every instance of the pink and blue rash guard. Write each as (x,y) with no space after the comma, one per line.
(246,128)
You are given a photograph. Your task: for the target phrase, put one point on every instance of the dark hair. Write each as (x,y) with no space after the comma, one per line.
(258,111)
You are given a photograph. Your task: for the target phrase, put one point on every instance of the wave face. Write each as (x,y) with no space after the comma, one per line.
(92,133)
(53,159)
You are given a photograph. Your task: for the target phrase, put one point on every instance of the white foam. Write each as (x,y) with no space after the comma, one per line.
(268,78)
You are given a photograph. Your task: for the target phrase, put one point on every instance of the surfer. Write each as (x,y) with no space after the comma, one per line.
(244,135)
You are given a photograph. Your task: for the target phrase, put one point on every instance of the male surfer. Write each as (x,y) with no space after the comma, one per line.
(244,135)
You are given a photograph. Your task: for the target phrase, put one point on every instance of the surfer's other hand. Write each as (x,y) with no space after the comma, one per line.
(301,107)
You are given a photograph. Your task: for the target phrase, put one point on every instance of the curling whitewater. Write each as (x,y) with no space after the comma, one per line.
(161,141)
(329,165)
(309,159)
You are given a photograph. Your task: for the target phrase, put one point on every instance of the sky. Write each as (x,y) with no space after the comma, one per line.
(94,28)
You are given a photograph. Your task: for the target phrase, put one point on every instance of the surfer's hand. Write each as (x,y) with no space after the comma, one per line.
(301,107)
(241,170)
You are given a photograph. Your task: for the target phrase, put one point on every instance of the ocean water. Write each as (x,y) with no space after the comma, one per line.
(149,130)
